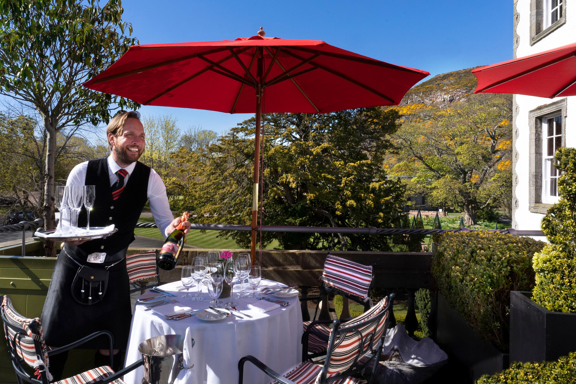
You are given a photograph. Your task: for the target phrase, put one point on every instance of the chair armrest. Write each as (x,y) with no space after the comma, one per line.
(263,367)
(122,372)
(83,340)
(308,298)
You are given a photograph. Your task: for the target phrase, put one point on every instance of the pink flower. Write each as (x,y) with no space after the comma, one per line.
(226,255)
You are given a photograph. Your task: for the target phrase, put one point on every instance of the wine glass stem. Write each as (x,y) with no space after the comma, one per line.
(88,219)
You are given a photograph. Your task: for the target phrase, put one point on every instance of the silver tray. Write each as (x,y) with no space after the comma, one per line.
(49,235)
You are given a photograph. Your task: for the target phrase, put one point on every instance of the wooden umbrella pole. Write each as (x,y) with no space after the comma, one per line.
(259,93)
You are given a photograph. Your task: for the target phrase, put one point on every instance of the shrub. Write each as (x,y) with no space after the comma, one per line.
(476,272)
(562,371)
(555,266)
(424,306)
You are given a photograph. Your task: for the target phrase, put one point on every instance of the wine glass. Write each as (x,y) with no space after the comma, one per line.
(187,279)
(200,269)
(254,278)
(229,277)
(216,282)
(62,203)
(75,204)
(89,197)
(213,259)
(242,268)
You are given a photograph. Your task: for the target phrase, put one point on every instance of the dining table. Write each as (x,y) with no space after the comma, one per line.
(268,327)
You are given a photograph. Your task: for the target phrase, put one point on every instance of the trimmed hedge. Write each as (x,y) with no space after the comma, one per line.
(555,266)
(562,371)
(476,272)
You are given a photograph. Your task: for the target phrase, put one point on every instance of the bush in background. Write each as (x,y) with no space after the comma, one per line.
(555,266)
(424,306)
(562,371)
(476,272)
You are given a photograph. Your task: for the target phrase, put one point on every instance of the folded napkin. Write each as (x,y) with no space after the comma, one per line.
(187,373)
(168,310)
(263,306)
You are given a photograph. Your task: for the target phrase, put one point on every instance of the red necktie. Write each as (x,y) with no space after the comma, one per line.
(118,187)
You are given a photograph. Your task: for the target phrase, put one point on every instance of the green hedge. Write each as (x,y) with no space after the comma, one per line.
(562,371)
(476,271)
(555,266)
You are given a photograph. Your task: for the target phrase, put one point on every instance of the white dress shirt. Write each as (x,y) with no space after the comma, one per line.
(156,190)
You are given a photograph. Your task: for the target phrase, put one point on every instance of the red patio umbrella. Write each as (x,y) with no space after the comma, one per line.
(546,74)
(255,75)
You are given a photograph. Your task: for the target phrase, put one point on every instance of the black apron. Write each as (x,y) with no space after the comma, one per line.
(65,320)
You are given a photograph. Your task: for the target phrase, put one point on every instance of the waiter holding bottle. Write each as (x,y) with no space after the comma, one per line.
(89,290)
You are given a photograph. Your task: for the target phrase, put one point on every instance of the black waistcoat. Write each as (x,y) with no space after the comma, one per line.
(123,212)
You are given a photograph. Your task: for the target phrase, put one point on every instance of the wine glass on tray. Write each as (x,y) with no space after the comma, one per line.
(75,204)
(62,203)
(89,197)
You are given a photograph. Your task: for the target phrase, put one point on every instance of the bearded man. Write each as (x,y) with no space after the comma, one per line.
(89,290)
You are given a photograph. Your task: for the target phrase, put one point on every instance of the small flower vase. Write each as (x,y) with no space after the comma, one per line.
(226,291)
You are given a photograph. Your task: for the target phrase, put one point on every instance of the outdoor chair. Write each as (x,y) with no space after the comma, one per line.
(142,267)
(342,277)
(31,357)
(354,349)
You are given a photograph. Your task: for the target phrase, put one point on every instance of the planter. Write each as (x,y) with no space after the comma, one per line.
(537,334)
(468,354)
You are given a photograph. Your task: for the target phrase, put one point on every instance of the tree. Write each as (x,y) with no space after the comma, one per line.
(460,155)
(48,49)
(197,138)
(319,170)
(162,139)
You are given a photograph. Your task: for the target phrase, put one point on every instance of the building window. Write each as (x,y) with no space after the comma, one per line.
(547,134)
(546,17)
(552,140)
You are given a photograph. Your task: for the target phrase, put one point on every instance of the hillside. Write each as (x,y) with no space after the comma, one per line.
(442,90)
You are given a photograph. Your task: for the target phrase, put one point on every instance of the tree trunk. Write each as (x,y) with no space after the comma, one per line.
(48,204)
(469,215)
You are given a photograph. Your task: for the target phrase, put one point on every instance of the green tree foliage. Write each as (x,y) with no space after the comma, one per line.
(162,139)
(459,156)
(319,170)
(48,48)
(555,266)
(195,139)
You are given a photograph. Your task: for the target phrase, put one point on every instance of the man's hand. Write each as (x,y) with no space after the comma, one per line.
(175,223)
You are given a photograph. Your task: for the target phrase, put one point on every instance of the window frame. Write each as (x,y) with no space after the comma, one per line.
(540,13)
(536,158)
(548,139)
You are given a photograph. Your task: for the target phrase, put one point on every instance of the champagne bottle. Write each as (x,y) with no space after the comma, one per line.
(168,257)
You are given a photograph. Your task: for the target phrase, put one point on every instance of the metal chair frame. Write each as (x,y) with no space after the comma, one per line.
(23,375)
(373,349)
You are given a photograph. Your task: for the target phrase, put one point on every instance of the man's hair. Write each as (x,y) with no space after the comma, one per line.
(116,125)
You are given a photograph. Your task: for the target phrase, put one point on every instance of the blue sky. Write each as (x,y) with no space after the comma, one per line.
(437,36)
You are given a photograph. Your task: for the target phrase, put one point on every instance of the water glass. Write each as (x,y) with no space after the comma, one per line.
(75,204)
(242,268)
(187,279)
(254,278)
(62,204)
(229,278)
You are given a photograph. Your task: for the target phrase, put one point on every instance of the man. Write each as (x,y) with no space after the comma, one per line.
(89,290)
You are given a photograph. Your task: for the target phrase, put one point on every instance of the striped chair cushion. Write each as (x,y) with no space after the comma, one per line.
(315,343)
(308,373)
(24,345)
(141,266)
(91,376)
(349,346)
(347,276)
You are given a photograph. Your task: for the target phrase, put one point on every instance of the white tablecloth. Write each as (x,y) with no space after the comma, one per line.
(273,337)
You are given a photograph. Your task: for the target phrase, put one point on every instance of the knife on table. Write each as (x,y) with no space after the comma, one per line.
(156,289)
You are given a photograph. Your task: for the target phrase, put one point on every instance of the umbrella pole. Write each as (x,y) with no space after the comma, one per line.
(256,175)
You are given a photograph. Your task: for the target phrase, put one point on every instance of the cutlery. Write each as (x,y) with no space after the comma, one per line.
(156,289)
(220,311)
(165,301)
(182,315)
(282,303)
(242,313)
(144,300)
(277,290)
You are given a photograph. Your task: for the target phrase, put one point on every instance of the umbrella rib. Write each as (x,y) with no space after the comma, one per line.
(364,60)
(242,86)
(243,66)
(183,82)
(296,84)
(286,75)
(228,72)
(276,53)
(347,78)
(527,72)
(565,88)
(154,66)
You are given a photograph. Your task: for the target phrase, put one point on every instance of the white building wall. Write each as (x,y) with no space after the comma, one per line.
(523,216)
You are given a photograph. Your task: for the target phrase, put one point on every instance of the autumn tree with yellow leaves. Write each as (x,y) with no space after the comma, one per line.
(459,156)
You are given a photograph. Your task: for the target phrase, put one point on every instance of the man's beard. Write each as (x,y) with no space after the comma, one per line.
(122,155)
